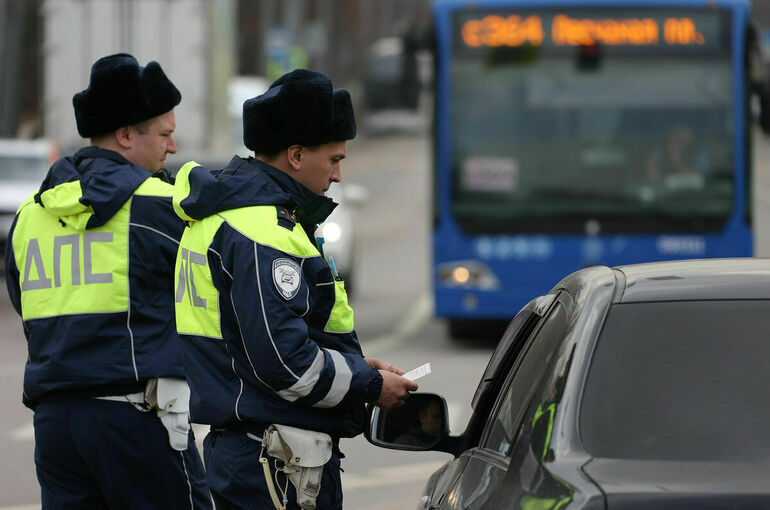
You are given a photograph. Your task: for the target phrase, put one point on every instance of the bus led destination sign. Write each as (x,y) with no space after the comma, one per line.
(568,30)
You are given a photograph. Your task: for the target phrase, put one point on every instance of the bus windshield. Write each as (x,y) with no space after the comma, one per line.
(546,136)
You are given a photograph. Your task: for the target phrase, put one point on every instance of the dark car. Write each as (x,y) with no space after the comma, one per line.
(642,386)
(391,76)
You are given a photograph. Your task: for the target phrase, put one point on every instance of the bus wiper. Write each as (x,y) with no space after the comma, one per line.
(580,195)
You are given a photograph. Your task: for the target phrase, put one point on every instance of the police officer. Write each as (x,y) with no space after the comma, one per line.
(89,266)
(267,330)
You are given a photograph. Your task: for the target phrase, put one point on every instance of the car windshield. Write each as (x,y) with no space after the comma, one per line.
(549,136)
(680,381)
(23,168)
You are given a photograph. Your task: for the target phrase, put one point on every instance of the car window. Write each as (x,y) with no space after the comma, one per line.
(532,371)
(512,340)
(680,381)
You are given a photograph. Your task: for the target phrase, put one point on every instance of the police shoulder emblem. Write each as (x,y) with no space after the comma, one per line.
(287,277)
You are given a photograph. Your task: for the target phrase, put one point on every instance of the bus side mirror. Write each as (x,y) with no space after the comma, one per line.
(418,425)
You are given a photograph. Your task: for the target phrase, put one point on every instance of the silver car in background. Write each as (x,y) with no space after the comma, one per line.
(23,165)
(339,230)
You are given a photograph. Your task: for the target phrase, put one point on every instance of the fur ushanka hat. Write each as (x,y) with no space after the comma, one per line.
(299,108)
(122,93)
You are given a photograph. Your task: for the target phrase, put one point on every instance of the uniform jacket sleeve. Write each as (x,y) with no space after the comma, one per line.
(275,336)
(12,271)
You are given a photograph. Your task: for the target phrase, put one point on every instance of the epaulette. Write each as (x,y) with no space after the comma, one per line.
(286,218)
(164,175)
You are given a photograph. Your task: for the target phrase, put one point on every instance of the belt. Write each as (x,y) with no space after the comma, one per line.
(256,431)
(132,398)
(107,390)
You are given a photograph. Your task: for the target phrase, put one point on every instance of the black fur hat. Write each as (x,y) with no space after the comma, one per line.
(300,107)
(122,93)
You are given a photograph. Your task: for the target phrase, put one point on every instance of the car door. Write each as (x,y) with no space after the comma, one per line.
(506,467)
(512,341)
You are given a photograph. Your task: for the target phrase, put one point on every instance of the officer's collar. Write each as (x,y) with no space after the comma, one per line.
(93,152)
(308,206)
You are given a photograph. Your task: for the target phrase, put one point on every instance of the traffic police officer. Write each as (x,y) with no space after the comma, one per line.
(89,266)
(267,331)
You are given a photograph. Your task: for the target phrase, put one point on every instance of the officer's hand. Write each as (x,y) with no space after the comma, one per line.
(395,390)
(383,365)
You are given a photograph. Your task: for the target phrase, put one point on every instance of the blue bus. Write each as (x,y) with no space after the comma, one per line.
(570,133)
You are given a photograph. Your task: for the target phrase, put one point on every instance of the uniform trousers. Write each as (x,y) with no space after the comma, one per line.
(93,453)
(237,479)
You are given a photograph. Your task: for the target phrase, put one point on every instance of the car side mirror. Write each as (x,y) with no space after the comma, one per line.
(418,425)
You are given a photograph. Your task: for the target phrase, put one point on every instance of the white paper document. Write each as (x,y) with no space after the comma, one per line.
(418,372)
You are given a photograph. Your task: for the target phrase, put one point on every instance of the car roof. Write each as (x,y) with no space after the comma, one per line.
(736,278)
(23,147)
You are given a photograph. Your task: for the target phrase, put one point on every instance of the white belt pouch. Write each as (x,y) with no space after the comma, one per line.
(304,454)
(172,397)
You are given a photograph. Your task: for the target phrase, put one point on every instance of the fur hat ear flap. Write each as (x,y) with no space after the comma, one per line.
(300,107)
(122,93)
(258,134)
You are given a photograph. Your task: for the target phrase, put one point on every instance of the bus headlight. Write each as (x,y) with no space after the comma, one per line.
(468,274)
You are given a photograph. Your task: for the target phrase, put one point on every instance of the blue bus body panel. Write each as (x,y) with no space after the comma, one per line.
(528,265)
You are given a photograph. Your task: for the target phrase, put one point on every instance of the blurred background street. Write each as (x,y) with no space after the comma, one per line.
(393,319)
(221,52)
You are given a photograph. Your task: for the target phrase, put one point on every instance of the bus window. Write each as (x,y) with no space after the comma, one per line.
(543,137)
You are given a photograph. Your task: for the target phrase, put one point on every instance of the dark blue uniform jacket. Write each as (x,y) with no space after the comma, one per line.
(89,267)
(280,357)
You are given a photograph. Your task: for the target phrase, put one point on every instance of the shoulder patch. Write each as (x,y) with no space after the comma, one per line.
(286,218)
(286,277)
